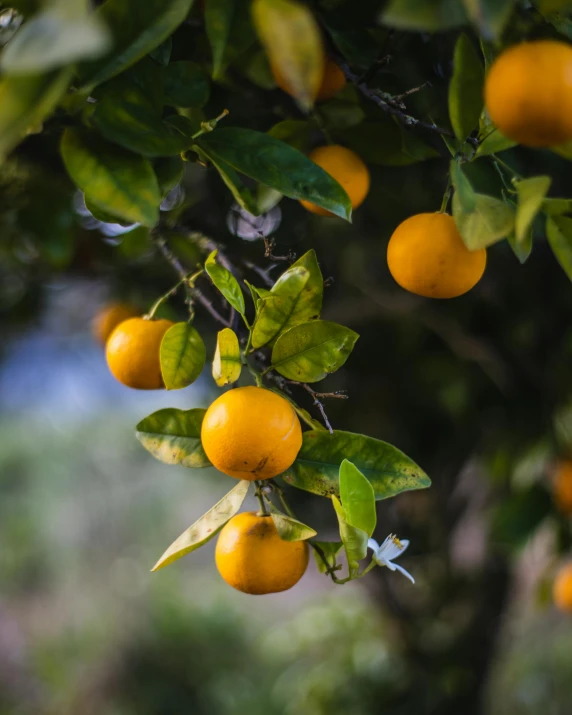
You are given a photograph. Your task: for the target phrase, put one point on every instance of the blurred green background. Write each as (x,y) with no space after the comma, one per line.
(477,390)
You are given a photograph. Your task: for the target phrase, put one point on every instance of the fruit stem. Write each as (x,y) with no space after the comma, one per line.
(258,493)
(446,196)
(210,124)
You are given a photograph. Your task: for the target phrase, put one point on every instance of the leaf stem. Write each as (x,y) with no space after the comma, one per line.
(258,493)
(446,195)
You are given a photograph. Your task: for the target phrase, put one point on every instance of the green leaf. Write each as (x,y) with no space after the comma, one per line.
(219,15)
(206,527)
(317,465)
(559,235)
(385,143)
(174,437)
(292,40)
(275,164)
(61,34)
(232,180)
(557,207)
(309,352)
(182,356)
(162,54)
(493,142)
(353,539)
(490,221)
(25,102)
(102,215)
(290,529)
(295,298)
(225,282)
(226,363)
(489,16)
(116,180)
(424,15)
(330,550)
(137,28)
(169,172)
(465,193)
(523,248)
(295,132)
(531,194)
(126,115)
(186,85)
(466,88)
(358,498)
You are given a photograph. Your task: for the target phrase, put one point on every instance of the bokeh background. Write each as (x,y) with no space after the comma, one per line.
(476,390)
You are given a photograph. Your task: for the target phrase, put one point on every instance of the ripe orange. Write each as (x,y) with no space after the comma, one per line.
(528,93)
(109,318)
(132,352)
(427,256)
(562,589)
(347,169)
(562,486)
(251,433)
(251,556)
(333,81)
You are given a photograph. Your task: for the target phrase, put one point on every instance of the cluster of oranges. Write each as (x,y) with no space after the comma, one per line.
(528,95)
(250,555)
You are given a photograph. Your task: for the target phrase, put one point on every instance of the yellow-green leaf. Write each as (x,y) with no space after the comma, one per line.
(531,193)
(358,498)
(291,37)
(353,539)
(559,235)
(489,222)
(288,528)
(226,362)
(466,88)
(225,282)
(174,437)
(182,356)
(206,527)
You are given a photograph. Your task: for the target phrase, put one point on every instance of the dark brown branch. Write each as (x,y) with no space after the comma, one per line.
(317,399)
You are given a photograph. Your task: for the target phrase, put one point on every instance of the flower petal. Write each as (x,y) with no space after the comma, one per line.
(404,572)
(373,545)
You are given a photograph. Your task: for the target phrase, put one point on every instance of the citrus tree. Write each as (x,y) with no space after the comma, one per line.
(149,121)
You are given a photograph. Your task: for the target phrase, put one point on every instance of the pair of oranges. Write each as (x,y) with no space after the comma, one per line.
(132,345)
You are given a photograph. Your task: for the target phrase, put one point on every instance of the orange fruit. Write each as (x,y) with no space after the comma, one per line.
(562,486)
(346,167)
(109,318)
(132,352)
(528,93)
(251,433)
(251,556)
(562,588)
(427,256)
(332,82)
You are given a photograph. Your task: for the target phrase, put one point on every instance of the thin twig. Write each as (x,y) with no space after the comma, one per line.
(317,399)
(269,245)
(262,272)
(195,292)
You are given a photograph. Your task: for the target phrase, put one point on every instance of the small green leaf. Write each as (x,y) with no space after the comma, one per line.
(424,15)
(317,465)
(292,40)
(358,498)
(182,356)
(466,88)
(276,164)
(523,248)
(290,529)
(226,363)
(226,283)
(219,15)
(493,142)
(61,34)
(330,550)
(489,16)
(309,352)
(384,142)
(206,527)
(557,207)
(118,181)
(490,221)
(353,539)
(25,102)
(295,132)
(102,215)
(564,150)
(186,85)
(465,193)
(174,437)
(162,54)
(531,194)
(274,311)
(559,235)
(137,28)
